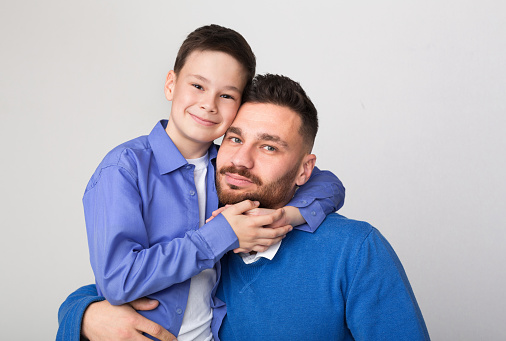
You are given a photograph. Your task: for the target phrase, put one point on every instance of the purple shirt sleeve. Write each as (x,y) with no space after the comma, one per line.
(321,195)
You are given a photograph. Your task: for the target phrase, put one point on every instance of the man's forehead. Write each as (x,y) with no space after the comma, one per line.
(263,113)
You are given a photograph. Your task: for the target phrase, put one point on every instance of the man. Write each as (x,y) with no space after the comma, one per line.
(344,282)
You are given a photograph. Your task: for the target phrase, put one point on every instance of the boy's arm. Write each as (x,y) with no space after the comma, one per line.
(321,195)
(127,265)
(100,320)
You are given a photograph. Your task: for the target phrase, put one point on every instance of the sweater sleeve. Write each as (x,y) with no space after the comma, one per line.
(380,304)
(321,195)
(70,314)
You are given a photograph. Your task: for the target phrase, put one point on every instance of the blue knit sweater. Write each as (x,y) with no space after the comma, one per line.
(344,282)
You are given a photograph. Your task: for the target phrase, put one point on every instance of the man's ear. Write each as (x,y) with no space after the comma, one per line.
(306,168)
(169,85)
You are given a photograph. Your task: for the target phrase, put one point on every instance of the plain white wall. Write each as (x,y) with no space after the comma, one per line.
(411,96)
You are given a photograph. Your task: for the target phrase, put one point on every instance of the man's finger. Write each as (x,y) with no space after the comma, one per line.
(149,327)
(144,304)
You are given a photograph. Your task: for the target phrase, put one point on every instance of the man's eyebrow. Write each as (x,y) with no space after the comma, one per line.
(205,80)
(272,138)
(234,130)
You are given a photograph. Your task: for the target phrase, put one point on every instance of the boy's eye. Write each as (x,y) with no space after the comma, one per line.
(227,96)
(198,86)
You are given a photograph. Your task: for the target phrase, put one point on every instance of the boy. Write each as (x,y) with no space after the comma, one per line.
(146,204)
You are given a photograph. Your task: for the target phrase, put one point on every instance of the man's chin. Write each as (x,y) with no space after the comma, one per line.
(233,197)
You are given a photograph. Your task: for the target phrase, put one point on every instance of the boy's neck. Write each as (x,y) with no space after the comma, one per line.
(188,148)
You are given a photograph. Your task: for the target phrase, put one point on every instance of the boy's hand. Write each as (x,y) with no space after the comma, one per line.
(292,216)
(250,229)
(215,213)
(105,322)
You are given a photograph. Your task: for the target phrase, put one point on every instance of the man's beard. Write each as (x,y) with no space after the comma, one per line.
(272,195)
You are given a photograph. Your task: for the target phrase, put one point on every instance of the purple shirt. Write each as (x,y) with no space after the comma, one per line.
(142,221)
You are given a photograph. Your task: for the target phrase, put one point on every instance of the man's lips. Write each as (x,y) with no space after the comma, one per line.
(202,121)
(237,180)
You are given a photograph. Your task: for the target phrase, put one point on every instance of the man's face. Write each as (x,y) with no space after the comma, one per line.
(262,156)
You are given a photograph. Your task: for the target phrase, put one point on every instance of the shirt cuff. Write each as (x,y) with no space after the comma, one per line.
(314,216)
(219,236)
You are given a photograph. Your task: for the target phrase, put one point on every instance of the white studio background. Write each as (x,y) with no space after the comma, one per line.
(411,96)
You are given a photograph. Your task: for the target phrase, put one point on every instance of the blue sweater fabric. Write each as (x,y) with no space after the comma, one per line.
(72,310)
(344,282)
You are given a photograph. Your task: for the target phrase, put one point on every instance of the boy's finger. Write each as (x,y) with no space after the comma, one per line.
(272,233)
(268,219)
(243,206)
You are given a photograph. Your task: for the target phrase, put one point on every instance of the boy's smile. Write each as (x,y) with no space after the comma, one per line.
(205,95)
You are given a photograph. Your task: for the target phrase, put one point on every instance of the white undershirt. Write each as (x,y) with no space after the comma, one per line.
(269,254)
(198,313)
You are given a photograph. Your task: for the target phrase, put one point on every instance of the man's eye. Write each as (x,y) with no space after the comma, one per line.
(235,140)
(270,148)
(198,86)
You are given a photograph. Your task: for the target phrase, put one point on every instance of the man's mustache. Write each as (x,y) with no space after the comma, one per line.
(242,172)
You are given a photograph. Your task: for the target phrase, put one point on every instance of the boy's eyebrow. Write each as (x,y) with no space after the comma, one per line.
(205,80)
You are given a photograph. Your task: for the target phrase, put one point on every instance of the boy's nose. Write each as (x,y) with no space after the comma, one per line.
(209,104)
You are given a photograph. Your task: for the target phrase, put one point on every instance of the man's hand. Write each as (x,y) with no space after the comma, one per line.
(105,322)
(250,229)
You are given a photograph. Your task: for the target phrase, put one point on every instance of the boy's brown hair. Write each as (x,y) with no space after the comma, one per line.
(220,39)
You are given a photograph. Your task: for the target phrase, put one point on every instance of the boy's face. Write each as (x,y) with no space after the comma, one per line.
(205,95)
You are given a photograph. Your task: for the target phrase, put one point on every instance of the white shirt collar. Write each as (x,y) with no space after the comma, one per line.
(269,254)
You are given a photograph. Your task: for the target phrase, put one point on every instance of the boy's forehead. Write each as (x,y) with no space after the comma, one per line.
(215,66)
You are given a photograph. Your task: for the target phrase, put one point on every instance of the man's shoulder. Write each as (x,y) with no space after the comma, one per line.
(339,230)
(336,223)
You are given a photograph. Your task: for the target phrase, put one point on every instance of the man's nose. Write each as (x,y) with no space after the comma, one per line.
(243,157)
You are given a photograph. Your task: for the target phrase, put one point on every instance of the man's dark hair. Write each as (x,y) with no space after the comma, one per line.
(282,91)
(220,39)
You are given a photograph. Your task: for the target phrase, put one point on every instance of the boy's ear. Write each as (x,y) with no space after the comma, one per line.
(306,168)
(169,85)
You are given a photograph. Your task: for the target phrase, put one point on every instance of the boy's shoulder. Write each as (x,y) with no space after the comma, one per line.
(128,156)
(127,152)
